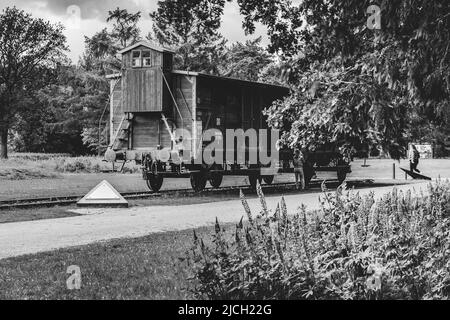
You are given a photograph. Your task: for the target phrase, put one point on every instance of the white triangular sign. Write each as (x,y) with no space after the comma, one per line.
(105,195)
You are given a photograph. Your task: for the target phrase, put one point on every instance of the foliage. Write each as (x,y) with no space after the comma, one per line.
(199,17)
(191,29)
(100,54)
(10,173)
(408,58)
(88,165)
(355,247)
(346,108)
(23,166)
(245,60)
(275,73)
(125,26)
(63,114)
(66,110)
(30,51)
(37,156)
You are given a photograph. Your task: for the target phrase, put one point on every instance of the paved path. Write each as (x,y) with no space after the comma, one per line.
(99,224)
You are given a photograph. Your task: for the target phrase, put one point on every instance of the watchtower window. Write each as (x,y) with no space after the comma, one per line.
(146,58)
(136,59)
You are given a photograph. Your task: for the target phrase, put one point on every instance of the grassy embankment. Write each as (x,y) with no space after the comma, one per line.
(23,166)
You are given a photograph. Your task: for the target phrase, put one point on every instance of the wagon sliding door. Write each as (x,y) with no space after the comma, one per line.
(143,91)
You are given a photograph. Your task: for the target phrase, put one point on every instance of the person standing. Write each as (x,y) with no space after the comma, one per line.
(413,159)
(299,161)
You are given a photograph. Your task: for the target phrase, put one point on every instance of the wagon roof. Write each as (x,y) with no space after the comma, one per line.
(146,44)
(205,75)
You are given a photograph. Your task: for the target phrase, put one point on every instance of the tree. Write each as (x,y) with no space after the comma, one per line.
(83,98)
(400,71)
(100,53)
(89,83)
(245,60)
(125,26)
(102,44)
(182,18)
(191,29)
(30,49)
(56,118)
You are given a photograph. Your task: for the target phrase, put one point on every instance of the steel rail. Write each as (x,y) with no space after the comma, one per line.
(69,200)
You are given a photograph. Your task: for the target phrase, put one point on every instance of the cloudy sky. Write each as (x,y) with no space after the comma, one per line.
(93,14)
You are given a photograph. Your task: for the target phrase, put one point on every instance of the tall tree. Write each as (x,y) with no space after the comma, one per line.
(183,18)
(99,59)
(30,49)
(102,44)
(386,77)
(100,53)
(191,29)
(125,26)
(246,60)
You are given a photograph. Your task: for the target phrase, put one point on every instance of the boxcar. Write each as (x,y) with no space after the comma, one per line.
(150,102)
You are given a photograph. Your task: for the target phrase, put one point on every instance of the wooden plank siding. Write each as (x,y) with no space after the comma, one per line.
(238,104)
(149,132)
(183,90)
(143,90)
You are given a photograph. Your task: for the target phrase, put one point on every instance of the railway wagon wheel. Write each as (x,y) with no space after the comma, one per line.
(268,179)
(216,180)
(198,181)
(154,182)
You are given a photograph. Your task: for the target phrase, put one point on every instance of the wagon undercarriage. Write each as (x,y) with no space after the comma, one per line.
(155,172)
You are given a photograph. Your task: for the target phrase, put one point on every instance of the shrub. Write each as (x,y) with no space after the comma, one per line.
(91,165)
(355,247)
(33,166)
(38,156)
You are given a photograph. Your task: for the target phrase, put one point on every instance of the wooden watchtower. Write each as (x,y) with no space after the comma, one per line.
(139,95)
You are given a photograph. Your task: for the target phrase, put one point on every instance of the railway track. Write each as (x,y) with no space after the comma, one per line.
(70,200)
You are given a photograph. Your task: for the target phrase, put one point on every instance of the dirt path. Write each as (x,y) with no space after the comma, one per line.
(105,224)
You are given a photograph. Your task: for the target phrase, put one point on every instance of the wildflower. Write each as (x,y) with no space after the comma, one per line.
(246,206)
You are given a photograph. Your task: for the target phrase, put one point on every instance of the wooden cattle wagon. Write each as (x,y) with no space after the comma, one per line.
(151,102)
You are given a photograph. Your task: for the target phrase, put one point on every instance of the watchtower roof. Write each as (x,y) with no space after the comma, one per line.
(146,44)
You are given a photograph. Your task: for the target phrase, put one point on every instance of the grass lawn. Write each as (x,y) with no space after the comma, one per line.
(18,215)
(142,268)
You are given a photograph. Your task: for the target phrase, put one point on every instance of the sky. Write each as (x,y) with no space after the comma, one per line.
(86,17)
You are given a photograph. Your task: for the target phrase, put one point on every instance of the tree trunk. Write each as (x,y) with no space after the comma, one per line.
(4,142)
